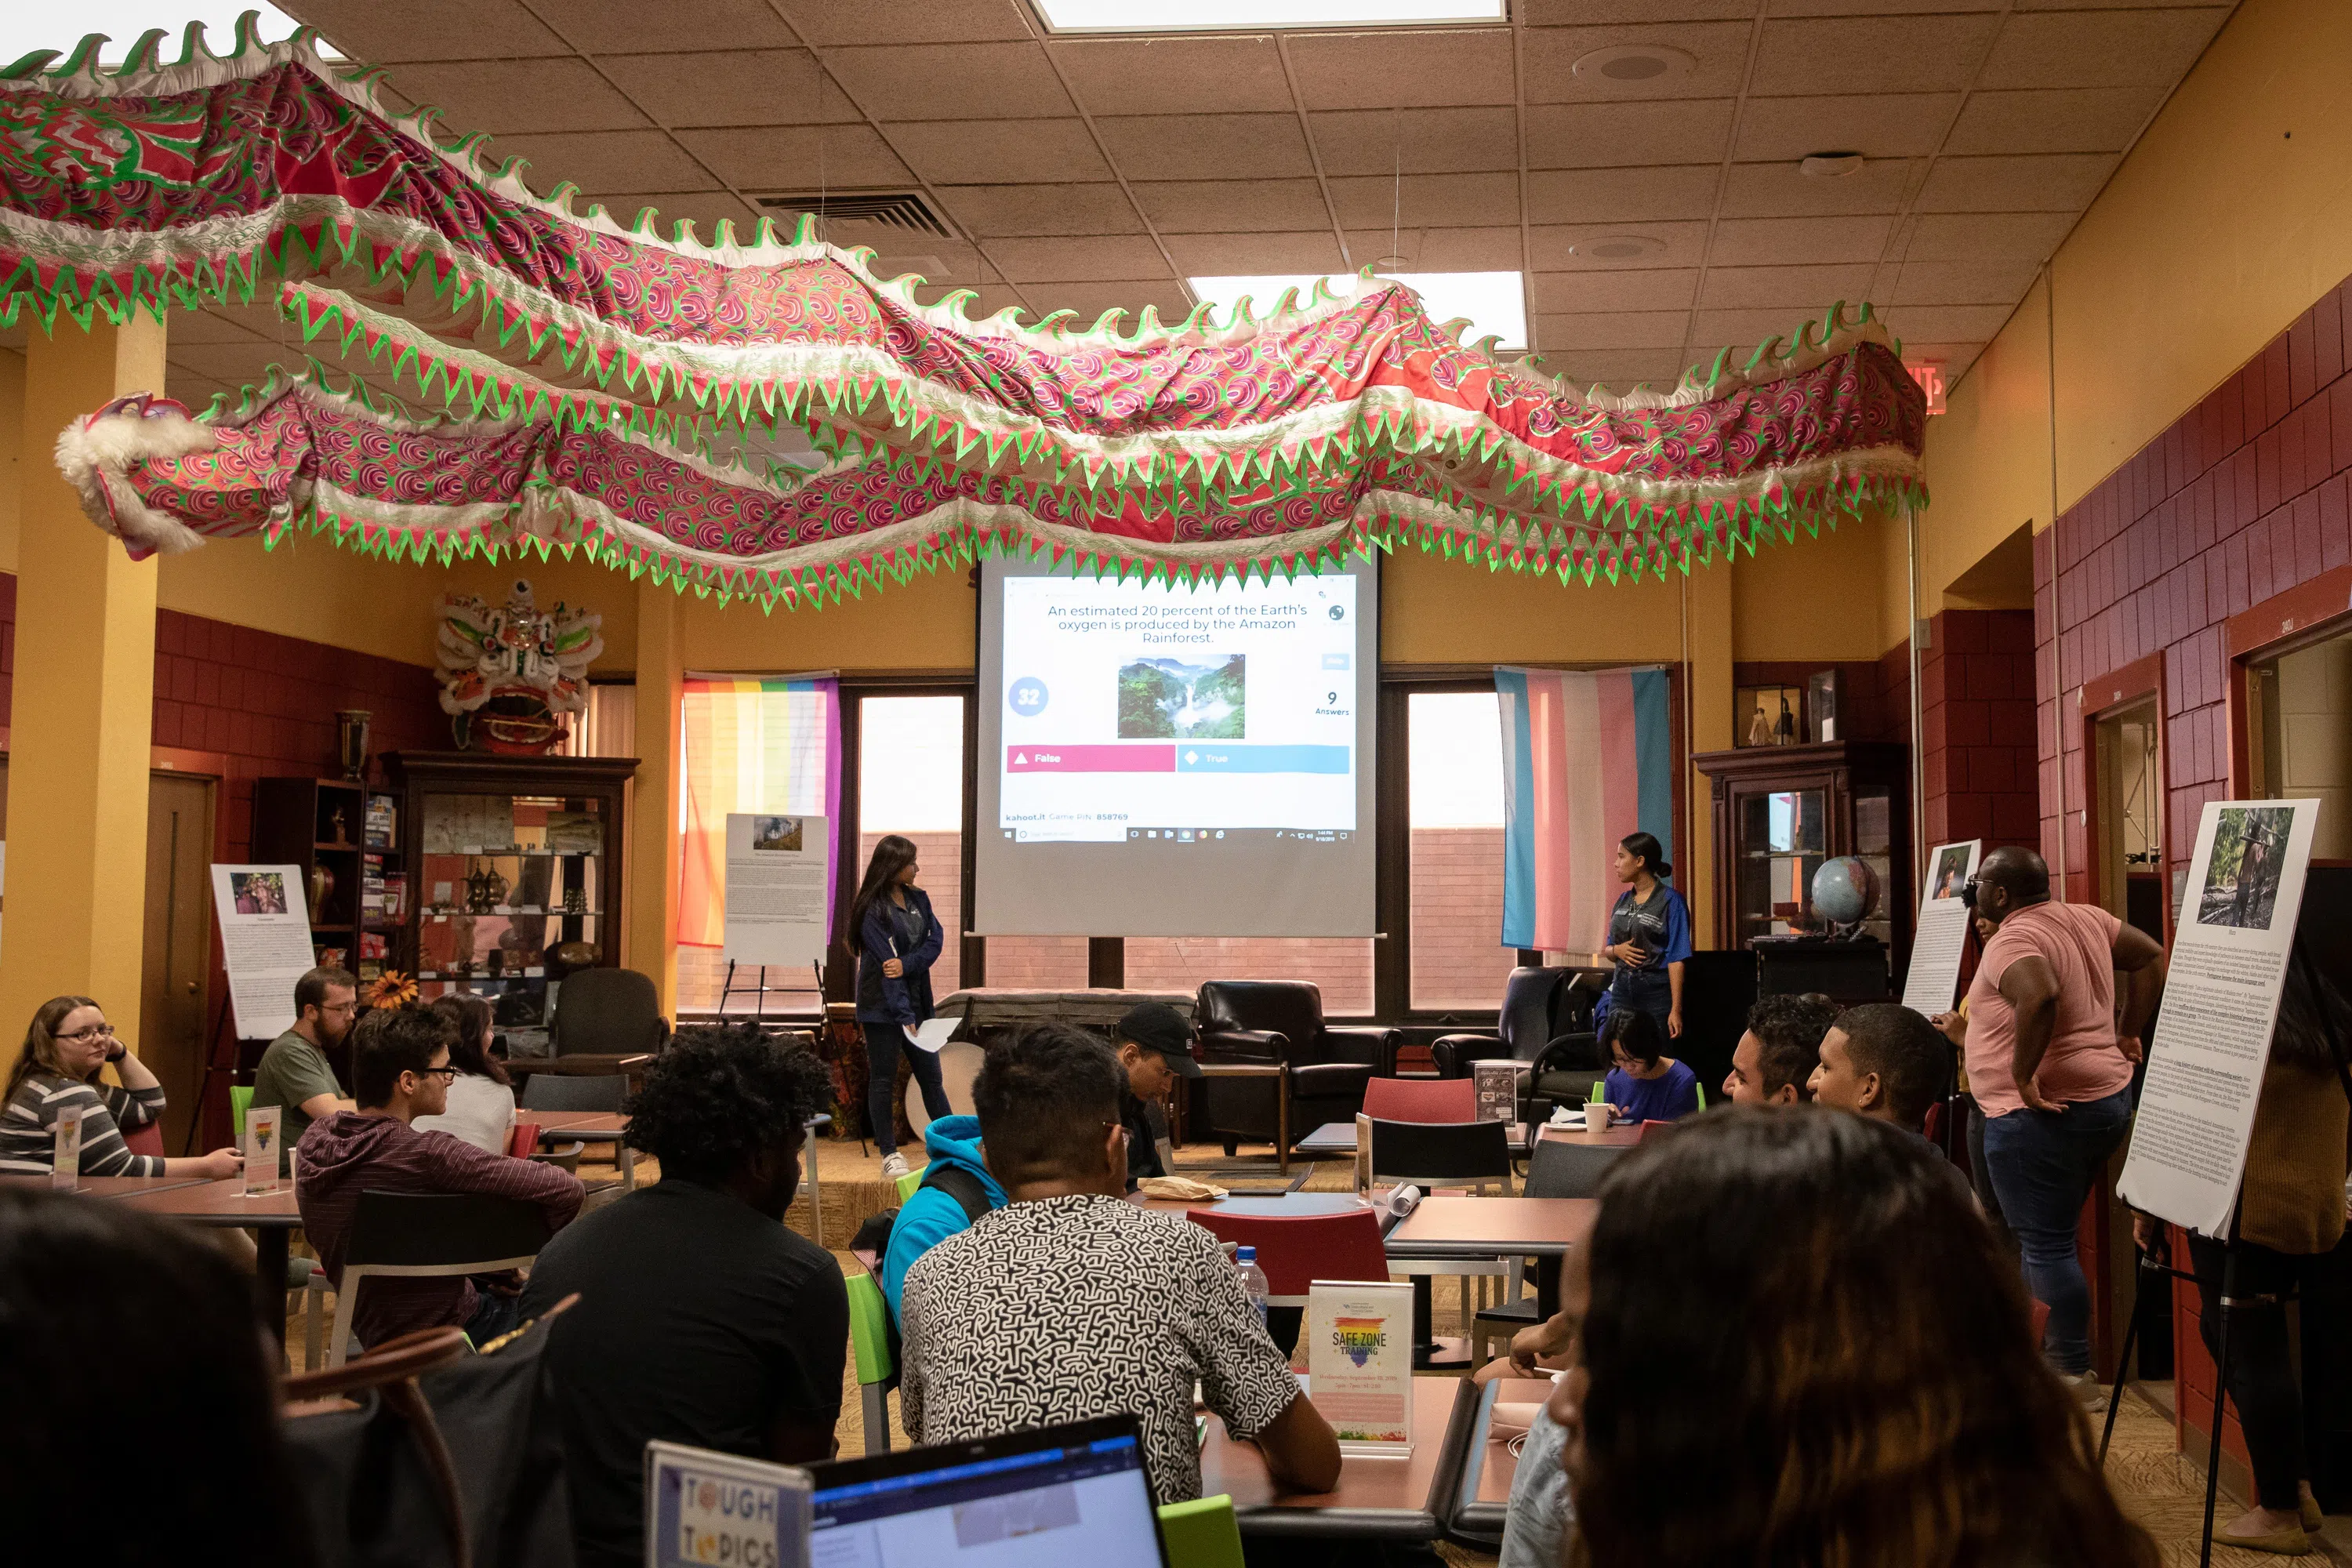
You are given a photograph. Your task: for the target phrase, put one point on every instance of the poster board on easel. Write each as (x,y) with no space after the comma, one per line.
(1941,936)
(2212,1045)
(265,929)
(778,871)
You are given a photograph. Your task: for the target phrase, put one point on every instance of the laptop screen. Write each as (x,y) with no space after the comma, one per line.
(1057,1496)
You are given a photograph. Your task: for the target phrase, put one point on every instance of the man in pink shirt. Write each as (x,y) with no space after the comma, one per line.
(2049,1063)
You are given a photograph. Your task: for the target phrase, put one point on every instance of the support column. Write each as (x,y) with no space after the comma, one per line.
(83,710)
(1707,643)
(648,938)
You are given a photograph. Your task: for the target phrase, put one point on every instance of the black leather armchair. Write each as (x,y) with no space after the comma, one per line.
(1280,1023)
(1546,1022)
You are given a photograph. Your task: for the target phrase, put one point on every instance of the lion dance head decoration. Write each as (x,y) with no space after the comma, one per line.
(510,673)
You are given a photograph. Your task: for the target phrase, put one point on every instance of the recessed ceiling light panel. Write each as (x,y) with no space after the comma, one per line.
(1258,15)
(1632,65)
(1617,247)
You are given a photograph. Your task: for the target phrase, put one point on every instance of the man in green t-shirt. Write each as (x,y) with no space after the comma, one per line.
(294,1071)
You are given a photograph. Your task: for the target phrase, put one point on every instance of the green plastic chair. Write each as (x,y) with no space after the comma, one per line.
(1596,1096)
(1702,1095)
(240,1095)
(1201,1533)
(869,1346)
(908,1182)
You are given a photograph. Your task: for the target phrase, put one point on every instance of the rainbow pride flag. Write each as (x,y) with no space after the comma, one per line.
(1588,757)
(751,744)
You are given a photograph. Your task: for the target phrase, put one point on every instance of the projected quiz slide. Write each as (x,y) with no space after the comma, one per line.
(1134,712)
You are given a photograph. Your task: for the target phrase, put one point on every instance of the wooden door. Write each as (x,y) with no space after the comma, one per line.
(179,940)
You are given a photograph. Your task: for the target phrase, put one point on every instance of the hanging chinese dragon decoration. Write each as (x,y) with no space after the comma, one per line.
(589,377)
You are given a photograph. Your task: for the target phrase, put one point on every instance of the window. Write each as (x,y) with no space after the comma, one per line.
(1454,858)
(911,783)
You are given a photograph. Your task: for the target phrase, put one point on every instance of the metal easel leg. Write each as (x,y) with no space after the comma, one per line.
(2123,1359)
(2221,1392)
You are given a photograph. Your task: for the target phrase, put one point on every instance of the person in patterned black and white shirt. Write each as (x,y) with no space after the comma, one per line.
(1071,1302)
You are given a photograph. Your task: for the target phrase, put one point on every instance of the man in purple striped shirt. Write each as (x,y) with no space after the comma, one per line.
(399,1071)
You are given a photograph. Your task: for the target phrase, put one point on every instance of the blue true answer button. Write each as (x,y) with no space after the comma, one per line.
(1197,758)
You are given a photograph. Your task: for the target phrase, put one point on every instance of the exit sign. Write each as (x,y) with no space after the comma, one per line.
(1930,378)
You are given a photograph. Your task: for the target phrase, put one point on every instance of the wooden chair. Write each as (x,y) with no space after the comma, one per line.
(1472,1154)
(574,1091)
(410,1235)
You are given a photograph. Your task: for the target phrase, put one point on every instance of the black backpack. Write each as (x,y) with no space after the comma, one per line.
(874,1235)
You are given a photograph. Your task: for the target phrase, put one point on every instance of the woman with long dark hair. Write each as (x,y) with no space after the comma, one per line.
(1875,1396)
(899,939)
(481,1096)
(1649,938)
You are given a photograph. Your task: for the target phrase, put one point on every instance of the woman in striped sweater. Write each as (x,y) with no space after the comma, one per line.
(65,1049)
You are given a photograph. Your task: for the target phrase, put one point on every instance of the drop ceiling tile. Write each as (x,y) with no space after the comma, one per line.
(1949,324)
(1870,53)
(195,391)
(1091,300)
(1875,7)
(1252,255)
(828,22)
(1568,332)
(999,152)
(2091,48)
(234,363)
(1551,246)
(600,161)
(379,34)
(1766,190)
(702,208)
(1788,241)
(1438,249)
(210,325)
(1623,195)
(729,87)
(1744,330)
(1231,207)
(1719,50)
(1628,135)
(1371,200)
(1783,288)
(1569,13)
(798,158)
(1174,75)
(1206,146)
(510,96)
(1955,358)
(2062,183)
(929,258)
(1882,125)
(951,81)
(1412,67)
(1428,141)
(989,301)
(628,26)
(989,211)
(1986,236)
(1962,282)
(1619,370)
(2113,4)
(1078,258)
(2064,120)
(1566,293)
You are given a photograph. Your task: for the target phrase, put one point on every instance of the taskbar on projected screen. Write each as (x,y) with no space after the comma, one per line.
(1097,833)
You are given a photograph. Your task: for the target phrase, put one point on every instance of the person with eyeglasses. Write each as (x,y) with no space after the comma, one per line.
(67,1048)
(400,1071)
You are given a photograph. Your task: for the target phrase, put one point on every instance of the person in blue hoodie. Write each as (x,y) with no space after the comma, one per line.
(898,939)
(957,1190)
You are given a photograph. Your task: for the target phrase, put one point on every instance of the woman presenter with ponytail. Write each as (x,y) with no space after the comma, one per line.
(1649,938)
(899,939)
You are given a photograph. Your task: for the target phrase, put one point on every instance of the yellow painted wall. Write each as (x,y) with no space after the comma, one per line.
(1815,598)
(2229,219)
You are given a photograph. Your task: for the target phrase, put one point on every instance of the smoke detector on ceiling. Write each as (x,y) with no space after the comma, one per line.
(1832,165)
(1631,64)
(1617,247)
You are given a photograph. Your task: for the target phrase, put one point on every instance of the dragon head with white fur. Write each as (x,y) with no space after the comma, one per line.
(510,673)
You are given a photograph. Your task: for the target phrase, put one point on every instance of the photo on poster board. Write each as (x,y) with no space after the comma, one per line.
(265,929)
(1940,935)
(2212,1038)
(776,888)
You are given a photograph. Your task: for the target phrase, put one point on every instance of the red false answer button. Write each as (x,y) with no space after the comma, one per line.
(1090,759)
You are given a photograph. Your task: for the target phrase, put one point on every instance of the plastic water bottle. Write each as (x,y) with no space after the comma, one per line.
(1252,1279)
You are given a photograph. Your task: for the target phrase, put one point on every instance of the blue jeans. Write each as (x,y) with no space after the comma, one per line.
(2043,1164)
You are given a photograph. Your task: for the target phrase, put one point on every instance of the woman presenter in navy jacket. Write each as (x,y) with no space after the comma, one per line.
(899,939)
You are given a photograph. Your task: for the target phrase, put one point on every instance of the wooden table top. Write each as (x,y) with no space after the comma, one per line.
(1375,1499)
(104,1186)
(1245,1069)
(577,1124)
(1487,1481)
(1455,1228)
(223,1203)
(1340,1138)
(1276,1205)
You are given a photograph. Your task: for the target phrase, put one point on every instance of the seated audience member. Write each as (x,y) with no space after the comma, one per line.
(481,1096)
(69,1045)
(1773,1063)
(123,1325)
(1645,1084)
(293,1072)
(1155,1047)
(1883,1061)
(1890,1403)
(1071,1302)
(399,1071)
(1539,1512)
(701,1318)
(957,1189)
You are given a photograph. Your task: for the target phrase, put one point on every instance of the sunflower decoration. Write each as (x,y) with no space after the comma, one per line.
(391,989)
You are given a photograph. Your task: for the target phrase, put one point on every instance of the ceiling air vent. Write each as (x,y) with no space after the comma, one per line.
(905,211)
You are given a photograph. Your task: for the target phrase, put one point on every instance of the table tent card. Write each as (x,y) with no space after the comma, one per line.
(264,1126)
(65,1155)
(1360,1364)
(2230,953)
(1933,984)
(1497,1090)
(715,1510)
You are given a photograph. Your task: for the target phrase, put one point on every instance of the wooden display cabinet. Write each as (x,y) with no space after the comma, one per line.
(313,824)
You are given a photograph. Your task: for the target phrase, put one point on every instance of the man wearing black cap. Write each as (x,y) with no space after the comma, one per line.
(1155,1047)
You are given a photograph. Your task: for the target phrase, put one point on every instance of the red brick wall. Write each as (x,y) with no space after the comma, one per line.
(1456,878)
(1340,966)
(1975,684)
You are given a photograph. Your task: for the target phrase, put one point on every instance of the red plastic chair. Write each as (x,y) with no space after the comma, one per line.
(523,1142)
(147,1140)
(1650,1129)
(2040,1320)
(1422,1099)
(1298,1250)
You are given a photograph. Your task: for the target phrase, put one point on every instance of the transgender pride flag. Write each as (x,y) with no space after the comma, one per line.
(1588,757)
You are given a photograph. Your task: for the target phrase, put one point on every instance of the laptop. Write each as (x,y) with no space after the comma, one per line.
(1052,1497)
